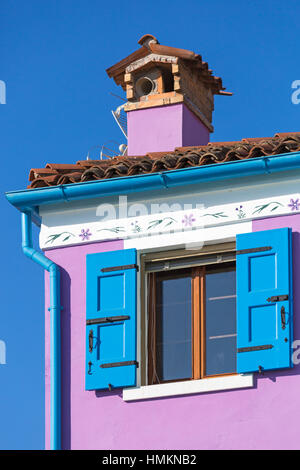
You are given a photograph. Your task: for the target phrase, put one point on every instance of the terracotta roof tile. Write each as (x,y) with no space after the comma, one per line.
(182,157)
(40,172)
(117,70)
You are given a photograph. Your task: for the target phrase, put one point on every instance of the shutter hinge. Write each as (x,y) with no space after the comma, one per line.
(278,298)
(120,268)
(119,364)
(255,348)
(253,250)
(96,321)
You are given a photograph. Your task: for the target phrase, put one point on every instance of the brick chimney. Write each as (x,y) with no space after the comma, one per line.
(170,95)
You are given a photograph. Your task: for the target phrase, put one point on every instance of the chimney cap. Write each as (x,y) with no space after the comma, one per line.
(147,39)
(150,45)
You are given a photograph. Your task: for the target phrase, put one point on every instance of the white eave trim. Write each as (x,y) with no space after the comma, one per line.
(189,387)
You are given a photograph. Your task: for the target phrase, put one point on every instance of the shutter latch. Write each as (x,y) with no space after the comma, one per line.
(282,313)
(260,370)
(91,341)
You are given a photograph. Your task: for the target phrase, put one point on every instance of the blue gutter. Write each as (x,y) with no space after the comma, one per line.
(29,200)
(55,308)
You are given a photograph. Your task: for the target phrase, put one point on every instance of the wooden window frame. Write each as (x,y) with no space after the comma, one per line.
(198,276)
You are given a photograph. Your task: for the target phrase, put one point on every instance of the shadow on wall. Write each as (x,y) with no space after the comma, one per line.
(295,370)
(118,392)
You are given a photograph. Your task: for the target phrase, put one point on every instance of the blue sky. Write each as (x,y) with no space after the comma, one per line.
(53,56)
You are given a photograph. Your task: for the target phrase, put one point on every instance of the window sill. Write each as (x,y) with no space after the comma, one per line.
(189,387)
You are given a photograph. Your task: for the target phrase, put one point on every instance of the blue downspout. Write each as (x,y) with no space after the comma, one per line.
(55,345)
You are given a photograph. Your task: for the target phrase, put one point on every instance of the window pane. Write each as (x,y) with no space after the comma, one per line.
(173,327)
(220,321)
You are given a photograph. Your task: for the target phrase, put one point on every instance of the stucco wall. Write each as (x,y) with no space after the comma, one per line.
(264,417)
(72,261)
(163,128)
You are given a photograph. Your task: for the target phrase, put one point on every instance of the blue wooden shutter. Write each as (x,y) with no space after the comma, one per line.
(111,320)
(264,300)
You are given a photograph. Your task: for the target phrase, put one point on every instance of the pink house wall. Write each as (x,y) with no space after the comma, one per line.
(73,285)
(264,417)
(163,128)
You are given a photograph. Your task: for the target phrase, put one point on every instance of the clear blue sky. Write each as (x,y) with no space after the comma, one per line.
(53,56)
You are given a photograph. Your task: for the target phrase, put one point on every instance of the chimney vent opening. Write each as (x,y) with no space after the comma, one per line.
(144,86)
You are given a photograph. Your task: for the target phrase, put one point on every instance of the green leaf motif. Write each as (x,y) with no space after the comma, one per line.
(52,238)
(114,229)
(261,207)
(155,223)
(216,215)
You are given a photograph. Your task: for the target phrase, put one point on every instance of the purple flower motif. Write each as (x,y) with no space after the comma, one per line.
(188,220)
(85,234)
(241,214)
(294,205)
(135,227)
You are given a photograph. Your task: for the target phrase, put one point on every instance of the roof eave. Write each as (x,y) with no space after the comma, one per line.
(30,199)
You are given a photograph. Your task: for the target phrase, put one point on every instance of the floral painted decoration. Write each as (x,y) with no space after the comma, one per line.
(135,227)
(241,214)
(271,206)
(85,234)
(54,236)
(216,215)
(188,220)
(294,205)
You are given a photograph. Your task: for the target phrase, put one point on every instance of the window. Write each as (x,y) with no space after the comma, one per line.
(220,320)
(191,319)
(168,318)
(170,353)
